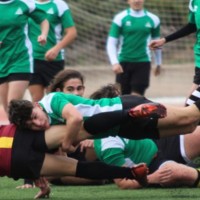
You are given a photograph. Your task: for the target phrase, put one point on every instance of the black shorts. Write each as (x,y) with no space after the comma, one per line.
(170,148)
(156,162)
(28,154)
(135,78)
(196,78)
(44,71)
(15,77)
(130,101)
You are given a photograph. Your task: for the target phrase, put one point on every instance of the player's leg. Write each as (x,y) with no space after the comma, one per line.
(4,94)
(37,91)
(179,120)
(54,136)
(123,79)
(64,166)
(178,175)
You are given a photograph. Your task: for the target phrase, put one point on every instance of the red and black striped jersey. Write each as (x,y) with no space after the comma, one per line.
(7,133)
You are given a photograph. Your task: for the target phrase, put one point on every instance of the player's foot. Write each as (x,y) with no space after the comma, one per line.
(140,172)
(148,110)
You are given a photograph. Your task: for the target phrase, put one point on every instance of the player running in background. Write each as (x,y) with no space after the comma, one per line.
(49,59)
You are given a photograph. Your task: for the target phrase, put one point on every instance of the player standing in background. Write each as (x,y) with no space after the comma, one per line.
(49,59)
(192,26)
(16,61)
(132,30)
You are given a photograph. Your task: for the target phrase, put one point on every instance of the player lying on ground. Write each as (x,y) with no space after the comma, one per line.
(26,154)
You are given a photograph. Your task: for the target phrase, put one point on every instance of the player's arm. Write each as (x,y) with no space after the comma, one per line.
(42,38)
(127,184)
(73,124)
(184,31)
(69,37)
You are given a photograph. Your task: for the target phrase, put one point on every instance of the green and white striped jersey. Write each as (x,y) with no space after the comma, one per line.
(120,151)
(134,30)
(54,103)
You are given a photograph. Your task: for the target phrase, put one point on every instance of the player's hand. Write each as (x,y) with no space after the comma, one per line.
(68,147)
(86,144)
(51,54)
(117,68)
(42,39)
(155,44)
(157,70)
(25,186)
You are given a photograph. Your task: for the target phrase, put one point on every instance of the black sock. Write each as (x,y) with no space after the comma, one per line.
(100,170)
(196,183)
(104,121)
(197,103)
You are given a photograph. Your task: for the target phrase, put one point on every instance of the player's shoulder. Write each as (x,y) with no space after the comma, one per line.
(61,5)
(120,16)
(153,17)
(29,3)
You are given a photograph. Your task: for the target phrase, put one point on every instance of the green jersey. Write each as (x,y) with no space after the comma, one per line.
(54,103)
(194,17)
(120,151)
(60,18)
(15,46)
(134,30)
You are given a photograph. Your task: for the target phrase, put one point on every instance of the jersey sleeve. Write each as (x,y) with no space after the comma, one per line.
(65,14)
(191,17)
(38,15)
(58,103)
(114,30)
(67,20)
(155,33)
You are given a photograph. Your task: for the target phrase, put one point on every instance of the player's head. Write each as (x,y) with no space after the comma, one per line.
(68,81)
(108,91)
(136,4)
(25,114)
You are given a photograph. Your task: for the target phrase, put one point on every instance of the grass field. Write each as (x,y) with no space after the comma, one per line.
(110,192)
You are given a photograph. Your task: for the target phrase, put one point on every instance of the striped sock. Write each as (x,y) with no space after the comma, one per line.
(194,97)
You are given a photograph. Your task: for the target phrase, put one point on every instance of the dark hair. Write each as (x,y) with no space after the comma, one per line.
(107,91)
(19,111)
(62,77)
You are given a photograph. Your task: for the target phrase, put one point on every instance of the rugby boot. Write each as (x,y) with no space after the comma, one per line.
(148,110)
(140,172)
